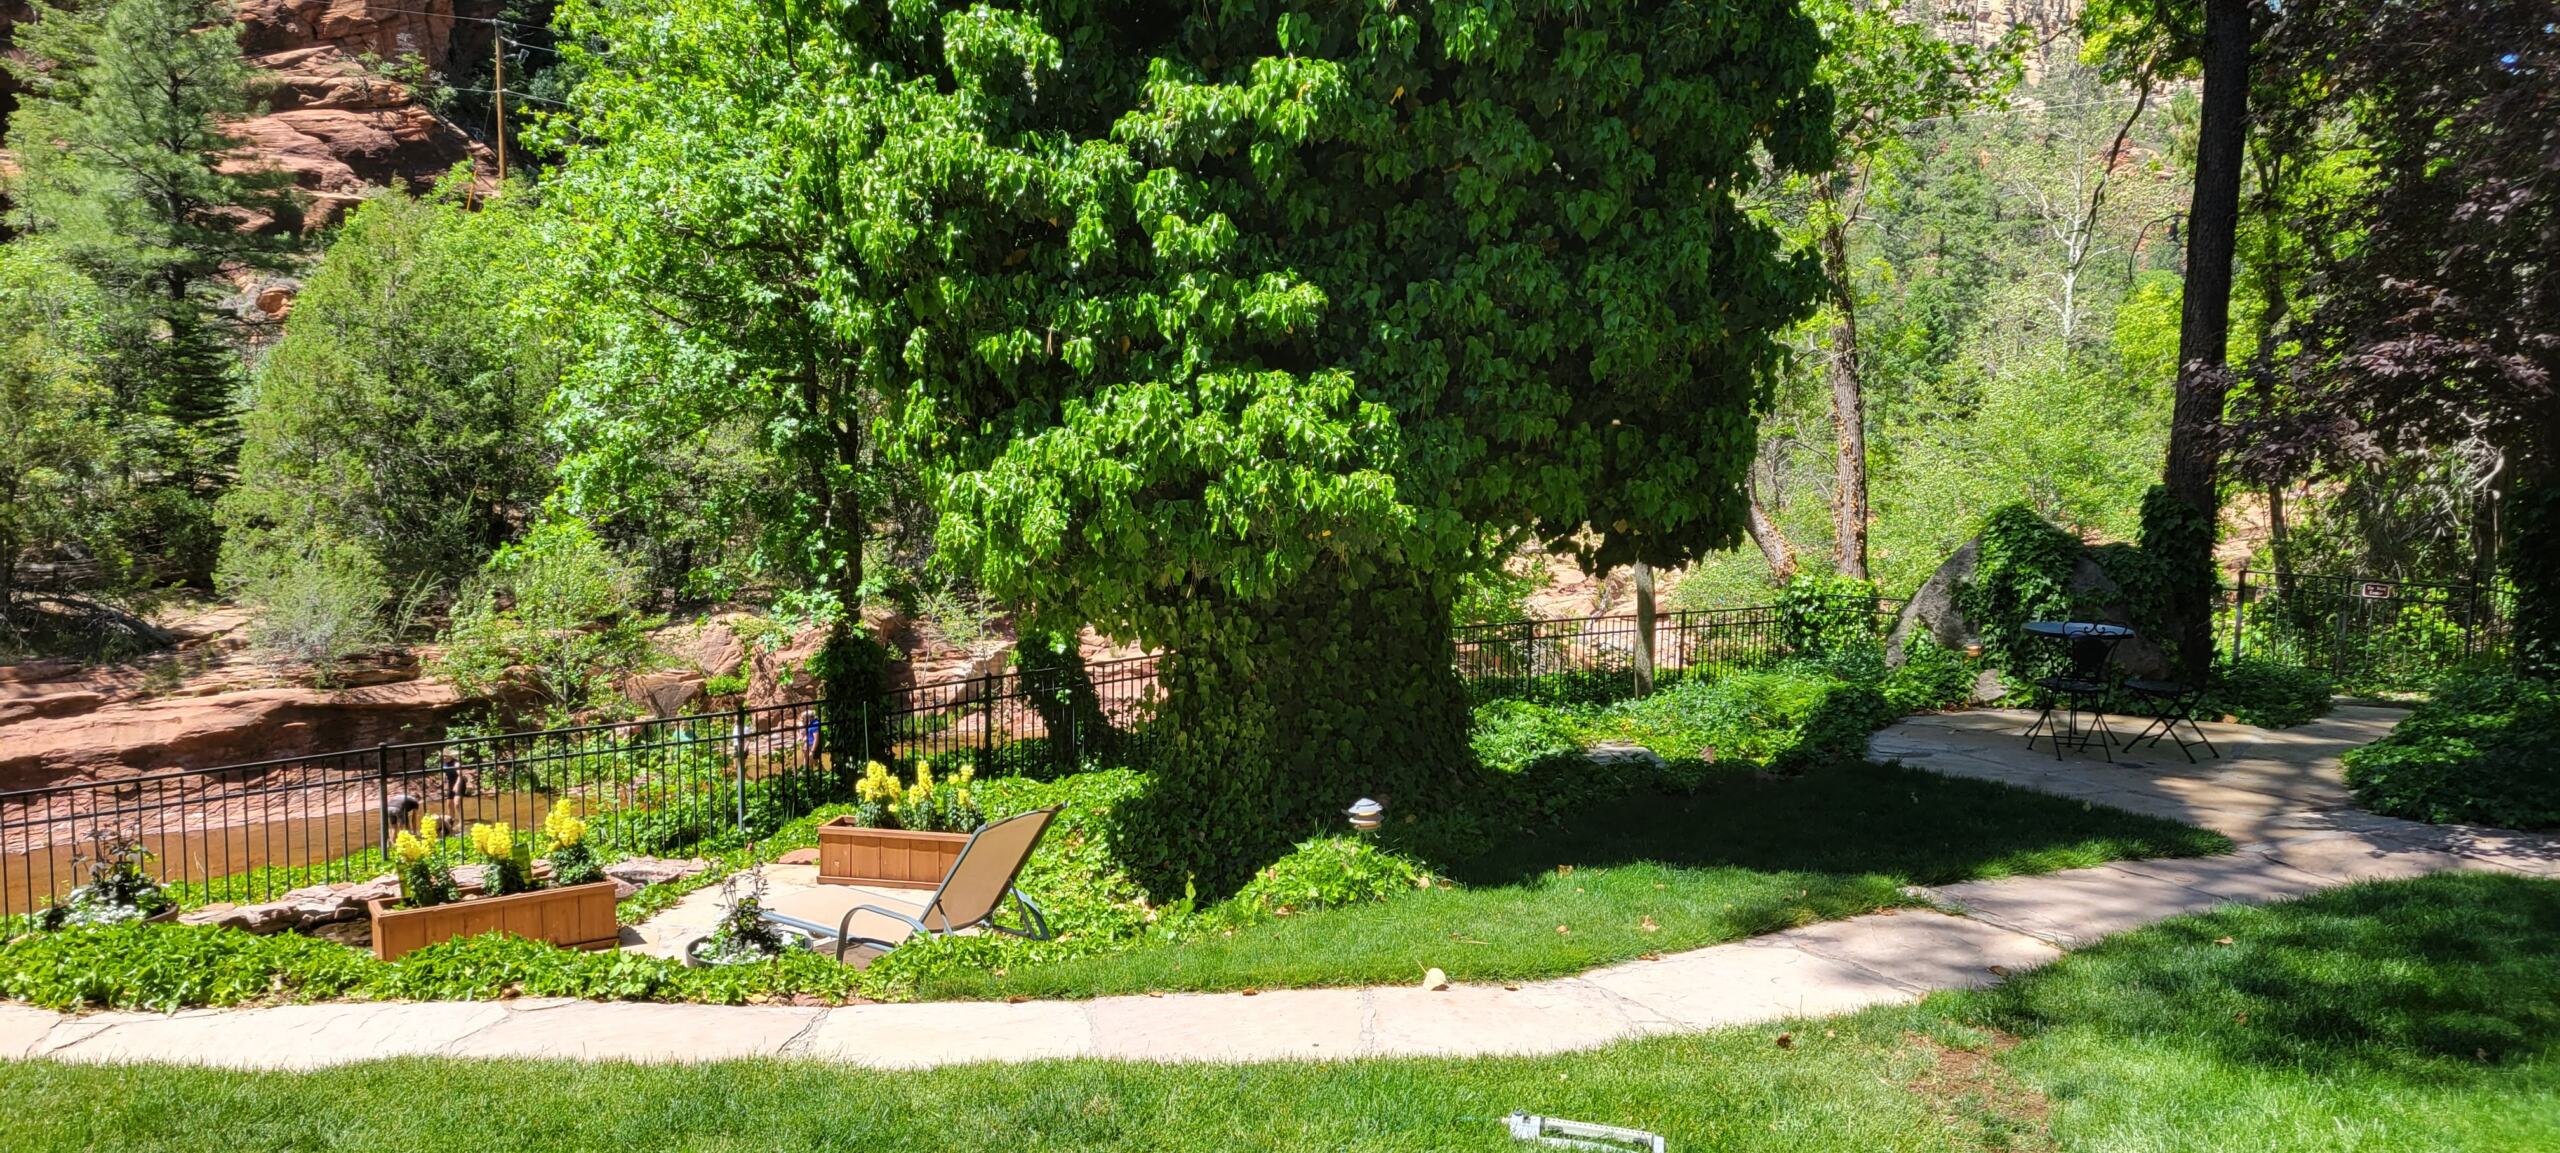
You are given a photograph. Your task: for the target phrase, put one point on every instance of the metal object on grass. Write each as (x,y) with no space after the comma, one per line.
(1563,1134)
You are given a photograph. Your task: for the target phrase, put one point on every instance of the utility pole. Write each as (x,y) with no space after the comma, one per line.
(498,91)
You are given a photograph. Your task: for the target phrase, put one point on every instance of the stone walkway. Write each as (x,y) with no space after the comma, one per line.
(2276,793)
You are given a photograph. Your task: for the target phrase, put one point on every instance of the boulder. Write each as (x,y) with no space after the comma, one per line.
(664,692)
(299,910)
(798,857)
(782,676)
(1932,611)
(711,648)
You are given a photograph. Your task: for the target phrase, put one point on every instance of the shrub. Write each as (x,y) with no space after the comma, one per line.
(1931,676)
(316,604)
(118,890)
(1818,614)
(1511,736)
(1325,873)
(2267,694)
(2484,749)
(556,614)
(1784,718)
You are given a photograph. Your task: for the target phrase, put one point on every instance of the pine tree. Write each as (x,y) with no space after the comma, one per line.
(121,137)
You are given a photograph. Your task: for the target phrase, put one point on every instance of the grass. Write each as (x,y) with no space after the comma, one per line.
(1744,854)
(2408,1016)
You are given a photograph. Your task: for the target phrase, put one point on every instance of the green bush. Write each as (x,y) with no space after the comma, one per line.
(2267,694)
(1511,736)
(1931,676)
(2483,749)
(1784,718)
(1818,614)
(1325,873)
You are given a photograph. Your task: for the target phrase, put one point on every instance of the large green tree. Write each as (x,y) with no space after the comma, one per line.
(401,413)
(1232,330)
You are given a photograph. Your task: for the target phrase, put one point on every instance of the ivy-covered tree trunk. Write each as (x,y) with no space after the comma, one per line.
(1317,700)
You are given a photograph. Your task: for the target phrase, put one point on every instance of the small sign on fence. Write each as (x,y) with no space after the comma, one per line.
(2377,590)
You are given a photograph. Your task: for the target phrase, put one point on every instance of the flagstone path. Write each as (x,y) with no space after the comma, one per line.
(2276,793)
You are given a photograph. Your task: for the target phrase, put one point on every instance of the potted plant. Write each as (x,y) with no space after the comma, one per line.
(574,908)
(900,835)
(743,936)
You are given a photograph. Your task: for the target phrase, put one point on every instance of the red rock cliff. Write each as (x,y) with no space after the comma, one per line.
(341,127)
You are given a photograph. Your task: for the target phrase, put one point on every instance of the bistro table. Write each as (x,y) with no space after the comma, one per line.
(2082,688)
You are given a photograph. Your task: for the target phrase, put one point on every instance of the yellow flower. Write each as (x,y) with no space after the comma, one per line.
(408,847)
(564,828)
(876,784)
(924,775)
(427,830)
(920,793)
(967,772)
(964,794)
(496,842)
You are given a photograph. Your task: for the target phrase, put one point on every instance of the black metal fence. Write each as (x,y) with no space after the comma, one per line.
(249,832)
(1594,659)
(2365,635)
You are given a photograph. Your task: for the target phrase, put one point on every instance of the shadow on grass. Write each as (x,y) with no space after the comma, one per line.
(1846,817)
(2419,981)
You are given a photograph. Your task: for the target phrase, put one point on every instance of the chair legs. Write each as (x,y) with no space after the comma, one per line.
(2174,710)
(2072,730)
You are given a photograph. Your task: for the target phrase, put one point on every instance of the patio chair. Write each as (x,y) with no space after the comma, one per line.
(971,896)
(2171,704)
(2080,691)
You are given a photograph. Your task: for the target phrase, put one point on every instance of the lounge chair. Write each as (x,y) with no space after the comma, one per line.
(972,894)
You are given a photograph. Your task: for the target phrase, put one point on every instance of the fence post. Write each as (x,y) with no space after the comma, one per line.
(2239,614)
(382,779)
(987,731)
(740,747)
(1644,629)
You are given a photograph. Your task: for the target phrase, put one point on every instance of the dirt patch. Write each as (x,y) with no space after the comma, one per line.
(1975,1094)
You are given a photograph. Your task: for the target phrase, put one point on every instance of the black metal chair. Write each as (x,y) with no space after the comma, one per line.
(2171,703)
(2083,687)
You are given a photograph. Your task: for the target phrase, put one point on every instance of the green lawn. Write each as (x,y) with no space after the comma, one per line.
(2410,1016)
(1745,854)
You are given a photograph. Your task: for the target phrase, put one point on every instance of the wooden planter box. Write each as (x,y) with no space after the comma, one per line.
(849,854)
(576,917)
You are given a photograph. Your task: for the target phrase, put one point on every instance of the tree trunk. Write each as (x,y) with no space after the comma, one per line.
(2193,470)
(1848,413)
(1644,629)
(1773,544)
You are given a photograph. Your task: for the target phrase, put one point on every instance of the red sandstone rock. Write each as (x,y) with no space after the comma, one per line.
(225,728)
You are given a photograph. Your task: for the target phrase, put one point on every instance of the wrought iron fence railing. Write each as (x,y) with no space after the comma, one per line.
(249,832)
(2366,635)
